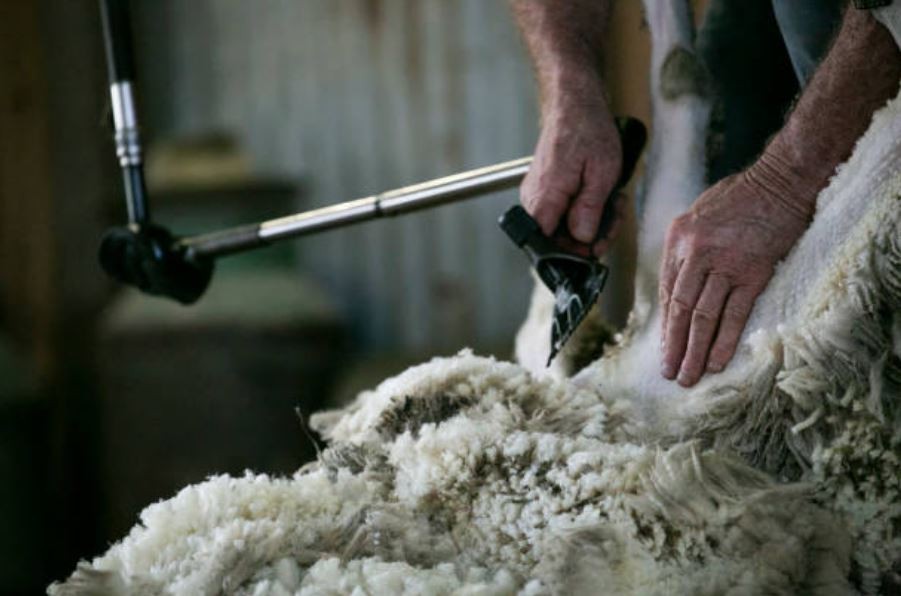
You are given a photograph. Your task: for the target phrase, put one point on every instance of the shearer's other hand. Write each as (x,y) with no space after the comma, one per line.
(576,166)
(718,257)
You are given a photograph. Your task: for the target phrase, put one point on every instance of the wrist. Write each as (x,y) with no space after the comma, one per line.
(784,181)
(570,89)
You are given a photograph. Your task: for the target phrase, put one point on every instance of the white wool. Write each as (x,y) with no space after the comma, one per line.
(499,487)
(466,475)
(373,576)
(226,526)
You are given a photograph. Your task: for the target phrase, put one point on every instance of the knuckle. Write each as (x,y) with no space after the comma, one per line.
(530,191)
(680,220)
(704,315)
(663,294)
(671,242)
(555,180)
(591,199)
(664,283)
(672,237)
(739,308)
(597,182)
(679,306)
(734,313)
(720,280)
(527,197)
(673,229)
(694,244)
(550,198)
(528,185)
(547,177)
(682,223)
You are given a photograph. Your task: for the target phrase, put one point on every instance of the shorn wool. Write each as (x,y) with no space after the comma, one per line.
(466,475)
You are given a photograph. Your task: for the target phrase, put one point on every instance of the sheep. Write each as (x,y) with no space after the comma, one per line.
(467,475)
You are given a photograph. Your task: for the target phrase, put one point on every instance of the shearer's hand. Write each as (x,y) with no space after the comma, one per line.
(718,257)
(576,165)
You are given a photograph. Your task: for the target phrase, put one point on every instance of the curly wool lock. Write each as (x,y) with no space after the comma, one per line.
(491,501)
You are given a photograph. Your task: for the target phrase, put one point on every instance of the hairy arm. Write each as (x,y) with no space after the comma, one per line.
(721,254)
(860,73)
(578,155)
(565,40)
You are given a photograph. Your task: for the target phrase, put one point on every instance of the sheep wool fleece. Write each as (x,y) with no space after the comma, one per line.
(466,475)
(470,476)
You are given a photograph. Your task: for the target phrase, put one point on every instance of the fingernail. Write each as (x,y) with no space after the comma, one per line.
(684,379)
(668,371)
(584,231)
(714,367)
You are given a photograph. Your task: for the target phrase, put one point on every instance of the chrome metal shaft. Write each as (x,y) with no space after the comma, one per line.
(425,195)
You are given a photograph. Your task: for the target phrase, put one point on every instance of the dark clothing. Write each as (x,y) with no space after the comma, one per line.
(760,53)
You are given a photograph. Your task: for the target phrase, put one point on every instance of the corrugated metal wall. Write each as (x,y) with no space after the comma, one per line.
(360,96)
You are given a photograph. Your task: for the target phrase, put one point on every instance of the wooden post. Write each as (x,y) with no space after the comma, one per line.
(27,240)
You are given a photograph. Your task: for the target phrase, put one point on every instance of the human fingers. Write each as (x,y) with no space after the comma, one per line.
(735,315)
(555,175)
(598,180)
(705,317)
(553,178)
(611,224)
(685,295)
(669,271)
(545,205)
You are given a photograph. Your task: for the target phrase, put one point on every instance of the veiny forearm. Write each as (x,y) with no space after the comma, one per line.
(578,155)
(859,74)
(565,40)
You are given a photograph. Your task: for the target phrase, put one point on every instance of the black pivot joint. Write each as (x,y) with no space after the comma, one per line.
(149,258)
